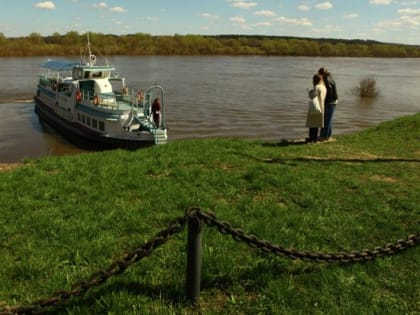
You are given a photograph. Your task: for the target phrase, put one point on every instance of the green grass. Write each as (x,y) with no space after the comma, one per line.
(63,218)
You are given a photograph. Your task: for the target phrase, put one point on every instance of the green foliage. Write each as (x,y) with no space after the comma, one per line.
(145,44)
(64,218)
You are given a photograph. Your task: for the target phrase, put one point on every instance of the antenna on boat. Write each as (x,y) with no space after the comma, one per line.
(92,57)
(88,46)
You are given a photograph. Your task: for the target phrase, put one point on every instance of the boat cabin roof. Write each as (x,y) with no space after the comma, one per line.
(60,65)
(80,71)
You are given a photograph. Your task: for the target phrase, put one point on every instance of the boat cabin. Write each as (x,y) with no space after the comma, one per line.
(91,72)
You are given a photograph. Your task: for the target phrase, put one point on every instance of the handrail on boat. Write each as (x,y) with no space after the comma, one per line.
(162,110)
(116,100)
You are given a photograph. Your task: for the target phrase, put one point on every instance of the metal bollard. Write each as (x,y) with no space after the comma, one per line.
(194,249)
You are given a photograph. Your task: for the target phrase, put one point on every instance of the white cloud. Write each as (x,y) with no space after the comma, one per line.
(390,24)
(409,11)
(351,16)
(304,7)
(265,13)
(100,5)
(407,3)
(240,21)
(209,16)
(116,22)
(243,4)
(298,22)
(237,19)
(118,10)
(401,23)
(410,21)
(104,5)
(380,2)
(46,5)
(328,29)
(263,24)
(153,18)
(324,6)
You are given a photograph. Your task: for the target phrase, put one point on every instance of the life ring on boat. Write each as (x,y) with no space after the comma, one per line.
(96,100)
(140,96)
(92,59)
(78,95)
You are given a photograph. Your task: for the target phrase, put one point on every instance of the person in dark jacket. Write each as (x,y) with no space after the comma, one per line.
(331,101)
(156,111)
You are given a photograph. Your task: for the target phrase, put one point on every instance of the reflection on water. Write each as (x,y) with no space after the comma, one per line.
(22,135)
(248,97)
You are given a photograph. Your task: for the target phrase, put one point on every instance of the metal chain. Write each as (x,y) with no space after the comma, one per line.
(101,276)
(176,226)
(342,257)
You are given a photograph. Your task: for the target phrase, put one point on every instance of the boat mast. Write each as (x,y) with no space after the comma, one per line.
(92,58)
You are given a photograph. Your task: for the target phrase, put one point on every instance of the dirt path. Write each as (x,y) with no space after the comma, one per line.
(8,166)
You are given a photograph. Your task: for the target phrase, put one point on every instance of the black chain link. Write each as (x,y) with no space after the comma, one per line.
(342,257)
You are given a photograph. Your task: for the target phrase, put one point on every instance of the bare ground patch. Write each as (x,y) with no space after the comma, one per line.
(9,166)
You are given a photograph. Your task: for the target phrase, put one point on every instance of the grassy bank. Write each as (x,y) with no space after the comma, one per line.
(62,218)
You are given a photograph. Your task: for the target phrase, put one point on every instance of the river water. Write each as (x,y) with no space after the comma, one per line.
(247,97)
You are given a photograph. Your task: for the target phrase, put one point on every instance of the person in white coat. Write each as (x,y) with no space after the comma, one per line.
(315,118)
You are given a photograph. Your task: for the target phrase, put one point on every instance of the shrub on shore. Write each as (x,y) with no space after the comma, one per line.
(367,88)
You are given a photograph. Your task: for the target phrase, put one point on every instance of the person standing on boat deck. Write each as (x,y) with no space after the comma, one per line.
(331,101)
(315,120)
(156,111)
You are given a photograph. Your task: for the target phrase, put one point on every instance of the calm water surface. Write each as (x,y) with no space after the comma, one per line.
(248,97)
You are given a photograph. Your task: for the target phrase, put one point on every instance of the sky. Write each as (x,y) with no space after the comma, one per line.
(391,21)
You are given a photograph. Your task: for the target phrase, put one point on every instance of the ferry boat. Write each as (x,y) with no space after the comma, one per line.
(91,103)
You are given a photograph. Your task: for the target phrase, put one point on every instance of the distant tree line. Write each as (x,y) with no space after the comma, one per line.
(70,44)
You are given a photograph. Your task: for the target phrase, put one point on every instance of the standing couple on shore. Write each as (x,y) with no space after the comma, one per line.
(321,109)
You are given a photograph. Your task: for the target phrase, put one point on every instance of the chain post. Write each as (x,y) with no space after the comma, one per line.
(194,257)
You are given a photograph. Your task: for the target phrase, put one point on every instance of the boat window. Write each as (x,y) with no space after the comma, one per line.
(101,126)
(87,74)
(97,75)
(75,74)
(94,123)
(65,88)
(83,118)
(88,120)
(78,116)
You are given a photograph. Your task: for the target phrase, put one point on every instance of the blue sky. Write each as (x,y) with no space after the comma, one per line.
(396,21)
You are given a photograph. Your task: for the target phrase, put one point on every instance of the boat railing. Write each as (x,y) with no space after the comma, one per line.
(43,80)
(137,100)
(142,103)
(48,82)
(151,94)
(113,100)
(107,100)
(139,104)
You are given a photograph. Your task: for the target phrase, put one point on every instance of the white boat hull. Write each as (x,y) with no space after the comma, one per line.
(88,138)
